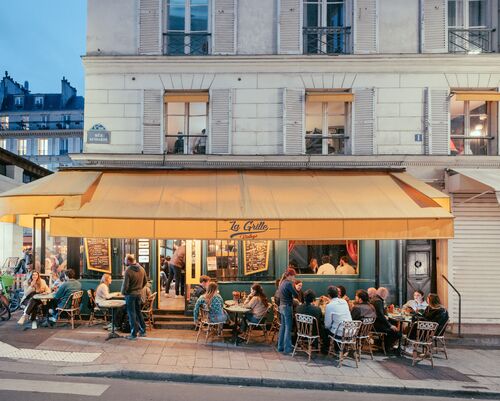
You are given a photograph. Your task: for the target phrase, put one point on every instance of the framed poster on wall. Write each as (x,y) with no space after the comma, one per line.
(98,253)
(256,256)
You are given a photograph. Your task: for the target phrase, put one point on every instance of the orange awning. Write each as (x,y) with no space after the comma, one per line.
(314,96)
(487,96)
(307,205)
(186,97)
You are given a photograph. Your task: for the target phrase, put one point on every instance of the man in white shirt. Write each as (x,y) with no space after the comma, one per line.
(344,266)
(336,312)
(326,268)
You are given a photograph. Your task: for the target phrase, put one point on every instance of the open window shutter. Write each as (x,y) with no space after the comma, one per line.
(150,27)
(434,26)
(365,26)
(151,122)
(293,117)
(290,27)
(224,31)
(363,125)
(437,124)
(221,106)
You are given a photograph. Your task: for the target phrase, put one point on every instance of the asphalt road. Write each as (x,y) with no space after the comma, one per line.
(27,387)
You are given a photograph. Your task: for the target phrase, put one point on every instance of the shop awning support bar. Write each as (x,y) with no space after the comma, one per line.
(459,306)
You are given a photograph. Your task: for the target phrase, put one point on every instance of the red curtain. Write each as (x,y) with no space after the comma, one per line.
(352,250)
(291,245)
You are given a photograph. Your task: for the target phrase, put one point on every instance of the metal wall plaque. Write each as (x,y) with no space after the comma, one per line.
(98,134)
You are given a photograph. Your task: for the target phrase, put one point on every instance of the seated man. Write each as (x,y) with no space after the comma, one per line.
(382,324)
(362,308)
(63,293)
(336,312)
(417,303)
(308,308)
(326,267)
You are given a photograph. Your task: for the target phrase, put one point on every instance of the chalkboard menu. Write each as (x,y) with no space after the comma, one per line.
(98,254)
(256,256)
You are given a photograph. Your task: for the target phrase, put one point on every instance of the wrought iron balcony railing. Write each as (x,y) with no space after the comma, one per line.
(474,40)
(40,125)
(186,44)
(327,40)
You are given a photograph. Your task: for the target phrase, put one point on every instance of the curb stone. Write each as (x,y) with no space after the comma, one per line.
(283,383)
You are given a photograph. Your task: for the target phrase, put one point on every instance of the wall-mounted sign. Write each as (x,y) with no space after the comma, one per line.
(98,134)
(256,256)
(98,254)
(248,229)
(143,245)
(211,263)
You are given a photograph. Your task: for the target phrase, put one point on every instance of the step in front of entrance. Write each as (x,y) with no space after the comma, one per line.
(173,320)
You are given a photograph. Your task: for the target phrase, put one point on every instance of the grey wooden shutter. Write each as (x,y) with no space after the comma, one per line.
(224,31)
(434,26)
(293,117)
(365,26)
(290,27)
(363,125)
(150,27)
(151,122)
(437,124)
(221,106)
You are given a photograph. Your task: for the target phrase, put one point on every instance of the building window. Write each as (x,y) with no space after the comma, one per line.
(326,123)
(22,147)
(3,143)
(63,146)
(187,27)
(469,27)
(4,123)
(44,121)
(25,123)
(324,27)
(66,121)
(18,102)
(222,260)
(472,124)
(39,102)
(186,123)
(43,147)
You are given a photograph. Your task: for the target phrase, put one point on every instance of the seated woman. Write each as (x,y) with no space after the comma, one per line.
(102,294)
(417,303)
(435,312)
(214,303)
(36,285)
(257,302)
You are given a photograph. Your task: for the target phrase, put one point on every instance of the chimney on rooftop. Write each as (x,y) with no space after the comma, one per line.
(26,85)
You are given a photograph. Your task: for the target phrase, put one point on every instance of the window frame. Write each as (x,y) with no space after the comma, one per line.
(4,123)
(22,150)
(346,137)
(42,147)
(186,135)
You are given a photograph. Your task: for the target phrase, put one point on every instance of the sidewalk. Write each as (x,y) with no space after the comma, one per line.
(176,356)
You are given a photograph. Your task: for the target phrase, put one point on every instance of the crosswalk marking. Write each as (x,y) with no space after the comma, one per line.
(8,351)
(59,387)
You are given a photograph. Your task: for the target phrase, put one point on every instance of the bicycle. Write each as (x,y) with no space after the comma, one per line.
(5,284)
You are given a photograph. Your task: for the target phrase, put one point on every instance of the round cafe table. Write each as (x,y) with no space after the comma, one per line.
(44,298)
(112,304)
(401,319)
(236,310)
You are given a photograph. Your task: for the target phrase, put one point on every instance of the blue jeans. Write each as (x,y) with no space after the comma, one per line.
(285,335)
(133,303)
(248,317)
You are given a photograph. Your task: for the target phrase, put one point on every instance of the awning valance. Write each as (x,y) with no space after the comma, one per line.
(487,96)
(329,97)
(250,204)
(186,97)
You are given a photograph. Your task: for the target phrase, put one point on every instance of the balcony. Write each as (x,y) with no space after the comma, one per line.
(47,128)
(472,41)
(186,44)
(327,40)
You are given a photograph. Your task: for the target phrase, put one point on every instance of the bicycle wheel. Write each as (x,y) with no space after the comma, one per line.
(4,310)
(15,302)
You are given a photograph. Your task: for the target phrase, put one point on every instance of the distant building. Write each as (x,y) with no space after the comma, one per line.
(42,127)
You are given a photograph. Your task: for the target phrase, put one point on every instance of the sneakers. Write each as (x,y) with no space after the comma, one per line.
(53,319)
(179,296)
(142,334)
(34,326)
(131,338)
(22,320)
(51,311)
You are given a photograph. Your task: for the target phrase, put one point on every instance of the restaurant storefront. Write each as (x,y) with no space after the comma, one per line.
(245,226)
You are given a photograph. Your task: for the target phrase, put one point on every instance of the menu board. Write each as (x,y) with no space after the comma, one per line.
(98,254)
(256,256)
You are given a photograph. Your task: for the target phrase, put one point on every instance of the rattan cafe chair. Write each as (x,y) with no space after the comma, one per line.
(421,348)
(346,340)
(71,308)
(364,337)
(306,326)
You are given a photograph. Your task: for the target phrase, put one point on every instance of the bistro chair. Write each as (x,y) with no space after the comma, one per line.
(380,337)
(439,340)
(306,327)
(276,324)
(421,347)
(261,324)
(96,313)
(346,341)
(147,311)
(71,308)
(204,323)
(364,337)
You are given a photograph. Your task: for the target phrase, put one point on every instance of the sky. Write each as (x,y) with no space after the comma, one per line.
(43,40)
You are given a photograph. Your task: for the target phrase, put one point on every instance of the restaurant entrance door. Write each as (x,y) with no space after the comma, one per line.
(420,267)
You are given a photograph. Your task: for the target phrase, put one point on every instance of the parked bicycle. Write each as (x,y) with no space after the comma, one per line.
(5,283)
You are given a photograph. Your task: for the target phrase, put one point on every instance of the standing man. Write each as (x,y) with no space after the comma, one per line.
(134,281)
(178,263)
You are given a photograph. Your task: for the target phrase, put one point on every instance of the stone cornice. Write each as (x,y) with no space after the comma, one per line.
(419,63)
